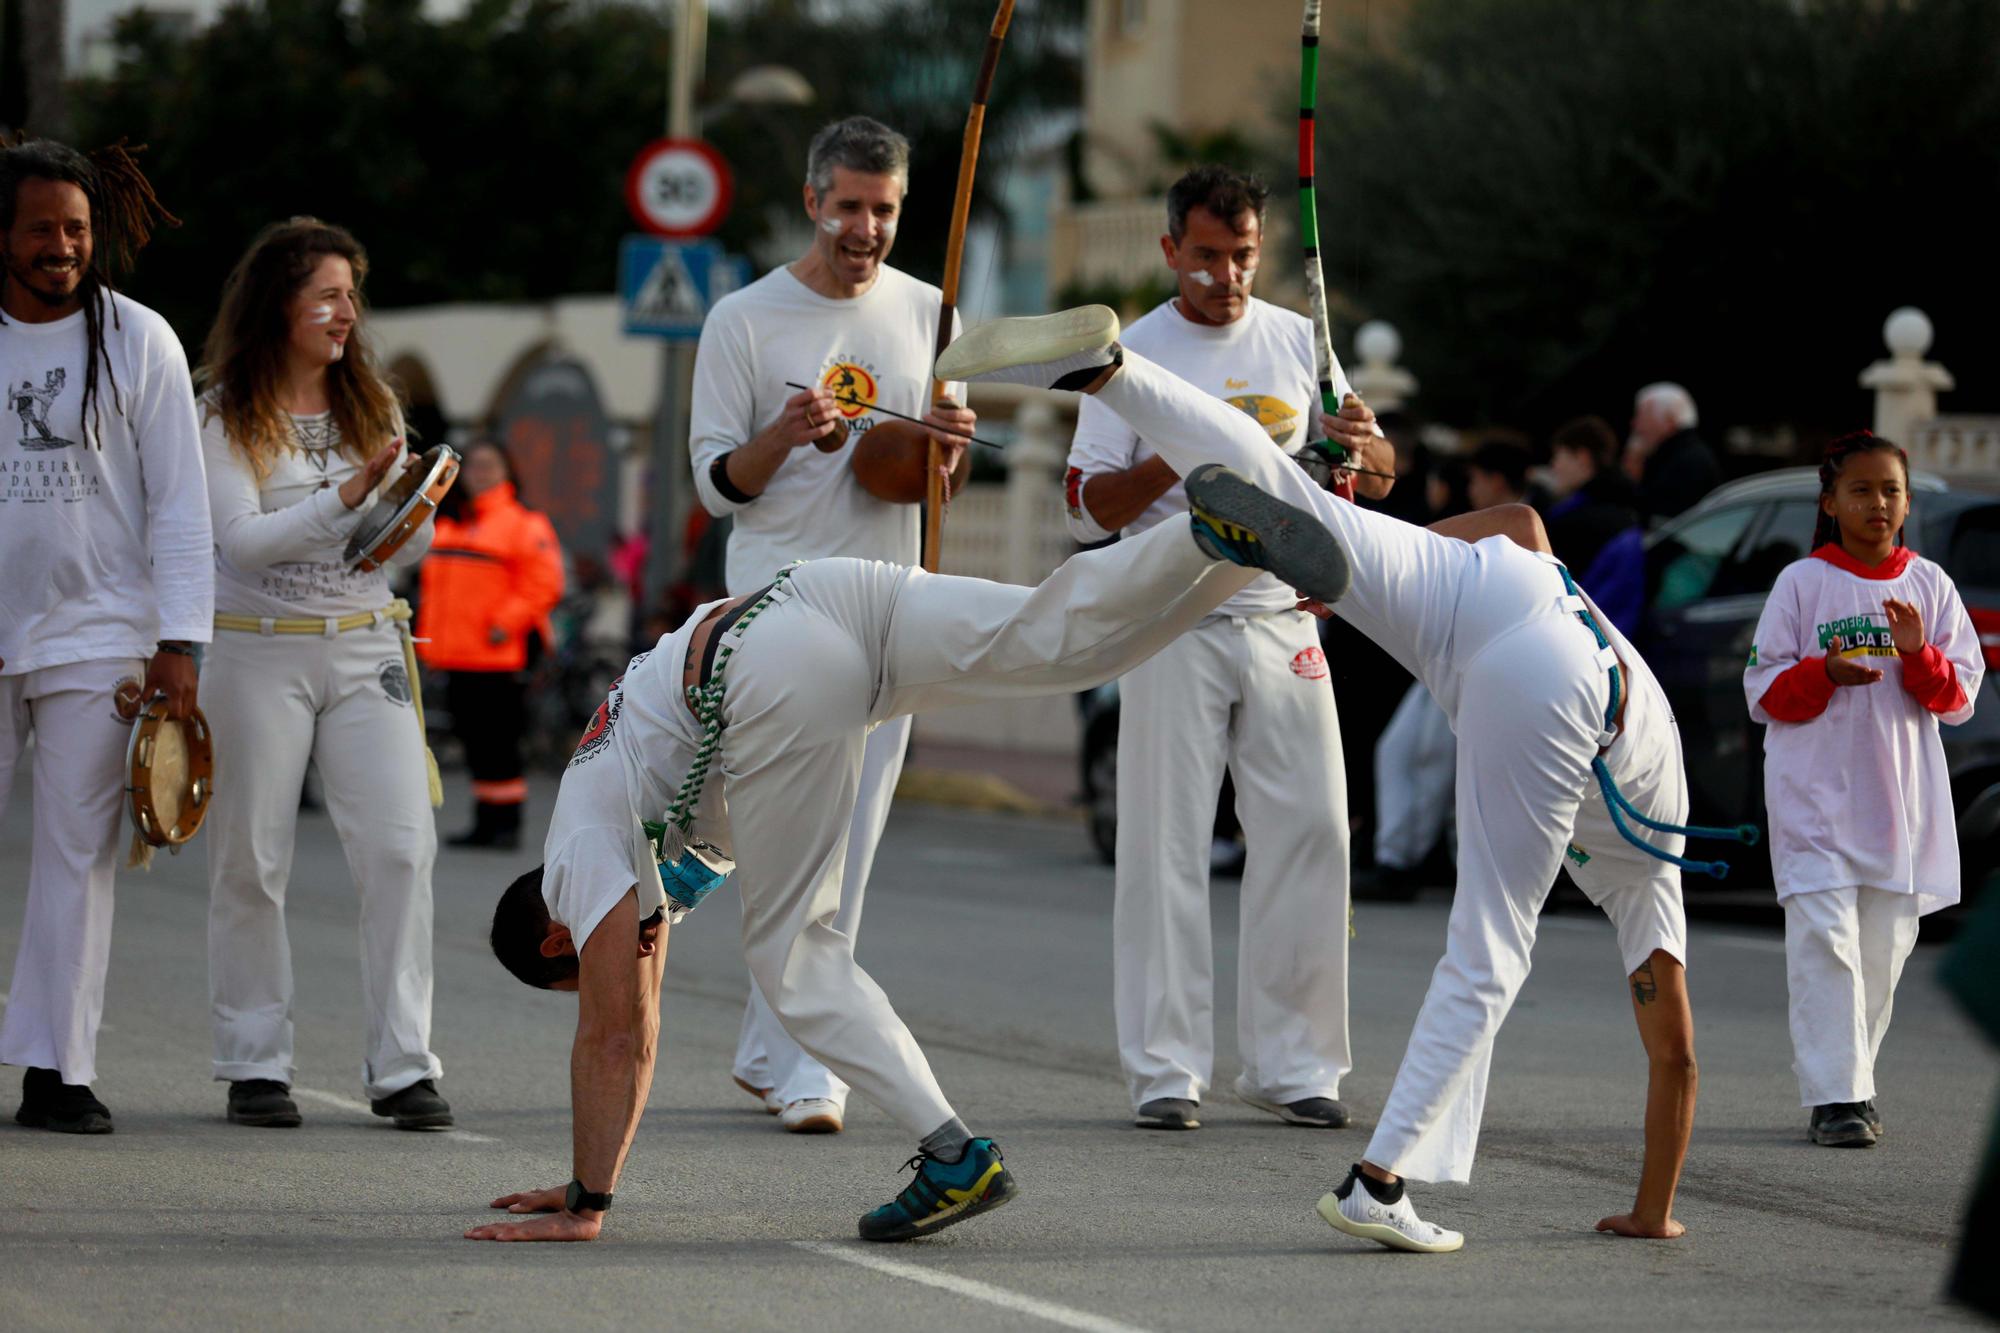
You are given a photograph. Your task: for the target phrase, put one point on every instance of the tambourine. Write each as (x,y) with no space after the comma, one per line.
(170,768)
(395,518)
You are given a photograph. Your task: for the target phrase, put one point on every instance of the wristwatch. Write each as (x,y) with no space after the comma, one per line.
(579,1198)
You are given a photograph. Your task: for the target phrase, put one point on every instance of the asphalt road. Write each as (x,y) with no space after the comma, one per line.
(992,934)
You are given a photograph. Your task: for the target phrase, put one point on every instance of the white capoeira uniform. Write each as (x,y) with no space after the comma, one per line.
(1862,836)
(1248,689)
(844,646)
(1492,631)
(876,347)
(104,535)
(341,700)
(1416,764)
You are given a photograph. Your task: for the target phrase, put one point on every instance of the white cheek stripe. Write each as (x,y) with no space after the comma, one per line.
(832,226)
(320,314)
(1202,277)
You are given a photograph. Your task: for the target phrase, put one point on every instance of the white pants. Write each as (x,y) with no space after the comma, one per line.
(1525,685)
(850,645)
(343,703)
(1416,762)
(766,1055)
(55,997)
(1228,693)
(1844,952)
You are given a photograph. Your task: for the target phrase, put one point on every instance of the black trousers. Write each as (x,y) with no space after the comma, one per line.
(488,715)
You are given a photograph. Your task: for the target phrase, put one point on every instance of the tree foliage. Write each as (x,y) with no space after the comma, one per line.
(482,157)
(1557,202)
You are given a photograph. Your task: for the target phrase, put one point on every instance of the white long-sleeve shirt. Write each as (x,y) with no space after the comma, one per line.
(1855,781)
(876,347)
(279,543)
(104,529)
(1261,363)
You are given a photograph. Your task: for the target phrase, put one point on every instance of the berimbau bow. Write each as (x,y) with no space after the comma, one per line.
(961,211)
(1309,227)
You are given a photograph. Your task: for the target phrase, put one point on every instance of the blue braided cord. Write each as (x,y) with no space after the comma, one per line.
(1615,801)
(1597,631)
(1743,833)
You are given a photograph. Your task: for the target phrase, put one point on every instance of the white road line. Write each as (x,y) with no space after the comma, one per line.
(341,1103)
(964,1286)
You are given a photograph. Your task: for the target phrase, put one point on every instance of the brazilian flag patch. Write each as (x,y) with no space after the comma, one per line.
(1753,656)
(1577,854)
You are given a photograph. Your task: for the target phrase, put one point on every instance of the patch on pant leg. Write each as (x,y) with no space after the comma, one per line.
(125,698)
(1309,664)
(1577,854)
(395,680)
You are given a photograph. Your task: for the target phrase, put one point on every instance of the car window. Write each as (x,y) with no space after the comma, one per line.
(1785,536)
(1683,566)
(1973,555)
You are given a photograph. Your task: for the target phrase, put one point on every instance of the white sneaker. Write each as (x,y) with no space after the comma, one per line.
(811,1115)
(765,1095)
(1066,350)
(1352,1209)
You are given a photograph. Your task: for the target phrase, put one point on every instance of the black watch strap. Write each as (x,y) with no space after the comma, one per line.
(580,1198)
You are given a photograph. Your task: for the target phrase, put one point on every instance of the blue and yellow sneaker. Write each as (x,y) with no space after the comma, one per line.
(944,1193)
(1235,521)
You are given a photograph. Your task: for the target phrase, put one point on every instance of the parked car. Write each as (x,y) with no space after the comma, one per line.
(1708,573)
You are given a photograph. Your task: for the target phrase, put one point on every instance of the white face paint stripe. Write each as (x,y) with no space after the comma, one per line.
(1202,277)
(319,314)
(832,226)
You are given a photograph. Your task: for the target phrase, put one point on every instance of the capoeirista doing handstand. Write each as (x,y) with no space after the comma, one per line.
(1563,735)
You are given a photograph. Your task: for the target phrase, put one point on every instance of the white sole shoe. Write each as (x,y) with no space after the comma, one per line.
(1041,350)
(1395,1225)
(765,1095)
(811,1115)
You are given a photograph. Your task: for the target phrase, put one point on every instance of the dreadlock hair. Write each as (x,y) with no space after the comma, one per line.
(1827,528)
(242,372)
(123,213)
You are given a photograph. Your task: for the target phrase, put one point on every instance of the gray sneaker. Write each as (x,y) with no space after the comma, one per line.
(1840,1125)
(1312,1112)
(1234,521)
(1167,1113)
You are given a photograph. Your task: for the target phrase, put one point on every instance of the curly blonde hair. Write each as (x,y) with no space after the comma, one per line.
(243,361)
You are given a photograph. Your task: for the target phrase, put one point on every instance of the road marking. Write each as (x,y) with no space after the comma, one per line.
(964,1286)
(339,1102)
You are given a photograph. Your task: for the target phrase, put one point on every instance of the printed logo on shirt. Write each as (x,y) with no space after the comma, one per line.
(32,406)
(395,680)
(854,384)
(1228,383)
(1279,418)
(1860,636)
(1073,492)
(1309,664)
(597,734)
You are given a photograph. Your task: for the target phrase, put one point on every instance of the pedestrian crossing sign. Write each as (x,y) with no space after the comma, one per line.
(668,287)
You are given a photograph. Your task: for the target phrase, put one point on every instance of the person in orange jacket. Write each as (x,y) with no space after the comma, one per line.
(491,579)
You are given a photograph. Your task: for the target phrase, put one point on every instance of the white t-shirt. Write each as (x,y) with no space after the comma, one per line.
(1860,794)
(626,769)
(1261,363)
(279,543)
(877,347)
(104,529)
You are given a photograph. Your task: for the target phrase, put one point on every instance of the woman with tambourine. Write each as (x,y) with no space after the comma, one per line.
(310,662)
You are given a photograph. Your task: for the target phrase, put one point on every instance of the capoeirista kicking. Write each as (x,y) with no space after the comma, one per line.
(747,728)
(1464,608)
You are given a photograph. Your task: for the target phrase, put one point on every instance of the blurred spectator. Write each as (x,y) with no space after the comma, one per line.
(1414,464)
(493,575)
(1447,490)
(1673,466)
(1497,474)
(1594,524)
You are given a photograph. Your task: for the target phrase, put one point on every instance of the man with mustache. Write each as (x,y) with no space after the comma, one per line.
(863,334)
(110,563)
(1249,689)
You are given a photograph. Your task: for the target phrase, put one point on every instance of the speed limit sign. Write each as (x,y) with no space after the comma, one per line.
(679,187)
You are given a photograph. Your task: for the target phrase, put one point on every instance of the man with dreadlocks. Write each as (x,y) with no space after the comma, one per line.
(104,534)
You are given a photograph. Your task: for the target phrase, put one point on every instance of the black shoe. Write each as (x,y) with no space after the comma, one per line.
(493,826)
(1840,1125)
(1872,1116)
(263,1102)
(1168,1113)
(67,1108)
(1312,1112)
(416,1107)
